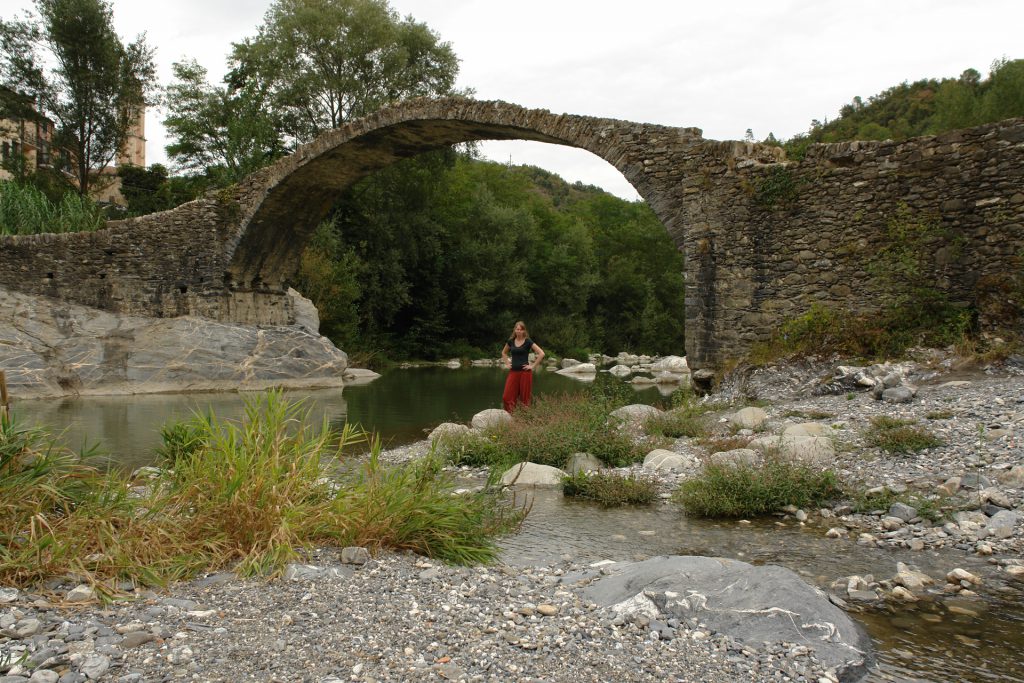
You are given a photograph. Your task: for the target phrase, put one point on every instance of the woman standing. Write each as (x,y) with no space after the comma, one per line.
(516,357)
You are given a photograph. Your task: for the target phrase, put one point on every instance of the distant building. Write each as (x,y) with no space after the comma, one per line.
(31,139)
(27,138)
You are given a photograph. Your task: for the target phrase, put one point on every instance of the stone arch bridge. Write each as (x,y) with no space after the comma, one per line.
(763,238)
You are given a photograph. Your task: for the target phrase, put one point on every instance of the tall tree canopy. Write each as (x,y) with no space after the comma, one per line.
(70,63)
(312,66)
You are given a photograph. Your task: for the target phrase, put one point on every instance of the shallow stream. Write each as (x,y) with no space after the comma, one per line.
(980,641)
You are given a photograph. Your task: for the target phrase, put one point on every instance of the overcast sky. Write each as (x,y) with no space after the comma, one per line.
(723,66)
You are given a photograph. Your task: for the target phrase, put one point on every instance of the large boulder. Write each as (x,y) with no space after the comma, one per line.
(50,348)
(447,430)
(578,369)
(532,474)
(635,413)
(753,604)
(661,460)
(748,418)
(675,364)
(583,462)
(490,418)
(621,371)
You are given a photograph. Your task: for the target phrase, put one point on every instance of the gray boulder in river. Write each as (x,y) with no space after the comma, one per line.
(753,604)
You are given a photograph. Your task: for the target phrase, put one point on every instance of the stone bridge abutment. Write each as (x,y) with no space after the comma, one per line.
(763,239)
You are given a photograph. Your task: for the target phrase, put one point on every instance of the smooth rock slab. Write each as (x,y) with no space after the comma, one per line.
(752,604)
(635,413)
(749,418)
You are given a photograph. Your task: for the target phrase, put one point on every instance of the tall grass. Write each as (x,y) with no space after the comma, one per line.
(747,491)
(895,435)
(26,210)
(252,494)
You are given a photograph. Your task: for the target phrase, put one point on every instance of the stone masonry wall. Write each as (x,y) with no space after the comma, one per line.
(751,266)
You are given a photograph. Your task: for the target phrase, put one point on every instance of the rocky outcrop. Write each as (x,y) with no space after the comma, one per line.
(50,348)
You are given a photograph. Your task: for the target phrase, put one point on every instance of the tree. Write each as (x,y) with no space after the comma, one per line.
(225,132)
(96,85)
(328,61)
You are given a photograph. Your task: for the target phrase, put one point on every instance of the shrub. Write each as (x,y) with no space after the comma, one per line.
(610,490)
(746,491)
(899,436)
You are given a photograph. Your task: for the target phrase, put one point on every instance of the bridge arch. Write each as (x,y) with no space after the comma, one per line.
(283,204)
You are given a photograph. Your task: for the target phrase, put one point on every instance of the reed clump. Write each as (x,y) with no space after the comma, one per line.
(253,494)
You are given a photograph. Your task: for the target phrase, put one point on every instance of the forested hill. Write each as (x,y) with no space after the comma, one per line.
(924,107)
(439,255)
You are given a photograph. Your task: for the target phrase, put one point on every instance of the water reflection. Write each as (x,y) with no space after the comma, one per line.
(400,406)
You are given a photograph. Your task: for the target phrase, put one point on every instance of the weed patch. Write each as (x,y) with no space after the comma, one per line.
(610,490)
(746,491)
(899,436)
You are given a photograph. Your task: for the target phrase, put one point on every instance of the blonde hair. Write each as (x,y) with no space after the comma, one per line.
(518,323)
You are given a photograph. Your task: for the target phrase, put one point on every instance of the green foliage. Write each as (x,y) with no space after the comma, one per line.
(746,491)
(87,80)
(924,107)
(324,63)
(26,210)
(148,190)
(927,508)
(225,132)
(610,490)
(899,436)
(548,432)
(450,251)
(778,188)
(677,423)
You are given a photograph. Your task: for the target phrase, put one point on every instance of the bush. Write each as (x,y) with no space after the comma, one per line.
(610,490)
(745,491)
(899,436)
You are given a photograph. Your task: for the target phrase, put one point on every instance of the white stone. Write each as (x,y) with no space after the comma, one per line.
(532,474)
(807,429)
(635,413)
(446,430)
(749,418)
(663,460)
(81,593)
(357,376)
(578,369)
(735,458)
(674,364)
(490,418)
(95,666)
(620,371)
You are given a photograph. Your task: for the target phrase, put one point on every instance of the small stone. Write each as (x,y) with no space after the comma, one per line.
(8,595)
(44,676)
(95,666)
(959,575)
(81,593)
(547,610)
(355,555)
